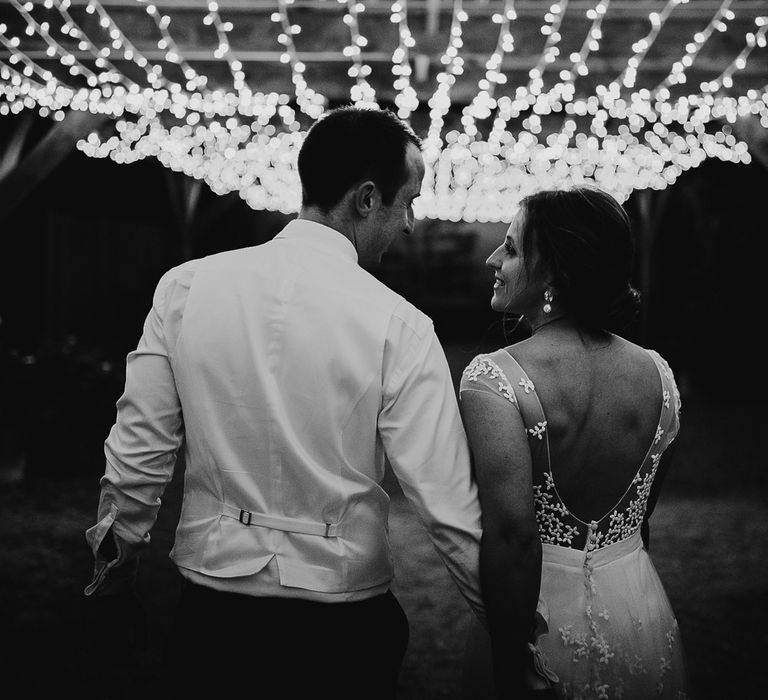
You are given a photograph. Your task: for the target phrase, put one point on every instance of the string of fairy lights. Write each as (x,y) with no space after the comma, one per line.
(309,102)
(361,92)
(406,98)
(542,133)
(174,55)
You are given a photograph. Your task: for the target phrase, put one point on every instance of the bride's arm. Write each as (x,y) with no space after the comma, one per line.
(510,550)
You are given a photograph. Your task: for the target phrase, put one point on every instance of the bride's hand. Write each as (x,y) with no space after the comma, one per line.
(539,678)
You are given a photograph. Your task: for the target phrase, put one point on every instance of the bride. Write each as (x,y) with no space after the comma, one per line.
(569,431)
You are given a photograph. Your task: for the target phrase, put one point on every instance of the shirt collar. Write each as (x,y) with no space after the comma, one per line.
(319,236)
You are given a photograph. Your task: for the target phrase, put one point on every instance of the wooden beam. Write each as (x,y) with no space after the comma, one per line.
(52,149)
(433,15)
(629,8)
(13,148)
(651,208)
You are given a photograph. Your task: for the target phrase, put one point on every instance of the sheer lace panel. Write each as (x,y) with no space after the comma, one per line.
(499,373)
(483,367)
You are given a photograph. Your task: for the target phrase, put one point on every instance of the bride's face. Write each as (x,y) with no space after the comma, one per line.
(513,290)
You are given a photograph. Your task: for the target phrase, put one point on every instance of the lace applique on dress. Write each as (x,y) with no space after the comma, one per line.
(550,513)
(483,367)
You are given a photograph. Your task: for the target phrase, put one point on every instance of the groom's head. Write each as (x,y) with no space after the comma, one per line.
(362,168)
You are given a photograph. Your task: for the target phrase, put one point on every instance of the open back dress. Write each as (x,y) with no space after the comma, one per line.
(611,630)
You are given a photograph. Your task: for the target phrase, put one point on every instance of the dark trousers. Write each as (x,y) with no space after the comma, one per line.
(238,646)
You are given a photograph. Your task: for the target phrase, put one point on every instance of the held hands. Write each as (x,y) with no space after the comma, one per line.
(540,679)
(526,675)
(528,679)
(537,685)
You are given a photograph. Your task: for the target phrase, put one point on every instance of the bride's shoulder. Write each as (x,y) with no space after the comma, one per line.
(531,353)
(664,368)
(660,361)
(482,363)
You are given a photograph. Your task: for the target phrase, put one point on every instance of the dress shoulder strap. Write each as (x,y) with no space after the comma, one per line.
(525,394)
(669,421)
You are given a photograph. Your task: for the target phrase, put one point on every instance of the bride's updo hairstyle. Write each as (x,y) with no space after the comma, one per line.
(581,239)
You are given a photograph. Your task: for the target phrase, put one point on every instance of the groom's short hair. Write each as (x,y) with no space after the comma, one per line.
(350,145)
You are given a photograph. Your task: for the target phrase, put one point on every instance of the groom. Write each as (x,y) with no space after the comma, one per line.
(290,375)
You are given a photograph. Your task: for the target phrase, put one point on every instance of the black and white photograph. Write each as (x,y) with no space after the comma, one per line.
(383,349)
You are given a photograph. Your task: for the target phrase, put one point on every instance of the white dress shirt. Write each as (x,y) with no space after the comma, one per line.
(288,374)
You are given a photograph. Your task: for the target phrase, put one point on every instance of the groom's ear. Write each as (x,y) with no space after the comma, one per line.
(365,198)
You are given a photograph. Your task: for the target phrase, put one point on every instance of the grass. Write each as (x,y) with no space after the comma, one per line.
(709,543)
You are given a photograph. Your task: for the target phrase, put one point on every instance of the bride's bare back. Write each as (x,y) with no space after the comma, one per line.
(601,397)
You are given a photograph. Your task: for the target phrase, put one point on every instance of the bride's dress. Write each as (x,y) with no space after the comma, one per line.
(612,632)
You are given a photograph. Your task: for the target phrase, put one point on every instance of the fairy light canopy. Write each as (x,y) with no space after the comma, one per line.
(509,97)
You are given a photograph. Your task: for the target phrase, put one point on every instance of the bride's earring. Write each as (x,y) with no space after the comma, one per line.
(548,296)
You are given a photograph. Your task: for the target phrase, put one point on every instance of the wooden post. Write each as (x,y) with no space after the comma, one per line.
(191,218)
(10,157)
(184,194)
(433,16)
(644,206)
(650,206)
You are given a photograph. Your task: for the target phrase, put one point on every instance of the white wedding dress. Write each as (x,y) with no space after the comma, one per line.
(611,629)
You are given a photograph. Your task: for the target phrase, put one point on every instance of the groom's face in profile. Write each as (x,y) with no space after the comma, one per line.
(395,218)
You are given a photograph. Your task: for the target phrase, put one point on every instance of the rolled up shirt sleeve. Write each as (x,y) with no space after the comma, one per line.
(142,445)
(425,442)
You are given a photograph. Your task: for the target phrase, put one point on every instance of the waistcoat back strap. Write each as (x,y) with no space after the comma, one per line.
(278,522)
